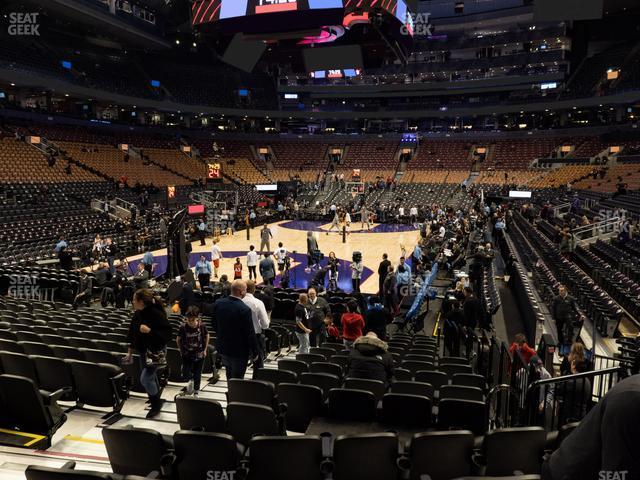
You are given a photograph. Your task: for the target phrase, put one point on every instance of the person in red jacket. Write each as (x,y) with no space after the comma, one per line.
(520,345)
(352,324)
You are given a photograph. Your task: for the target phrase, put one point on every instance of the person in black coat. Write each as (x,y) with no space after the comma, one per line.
(235,336)
(472,309)
(149,333)
(383,270)
(369,359)
(377,317)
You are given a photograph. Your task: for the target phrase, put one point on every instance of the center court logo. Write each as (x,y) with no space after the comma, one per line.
(23,24)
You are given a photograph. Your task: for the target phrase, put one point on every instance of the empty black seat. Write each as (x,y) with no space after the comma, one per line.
(406,410)
(303,458)
(18,364)
(296,366)
(376,387)
(461,392)
(325,352)
(55,374)
(437,379)
(66,472)
(381,450)
(35,348)
(304,402)
(244,420)
(200,453)
(99,384)
(27,409)
(441,455)
(324,381)
(453,368)
(469,380)
(252,391)
(352,405)
(309,358)
(71,353)
(415,366)
(326,367)
(525,447)
(455,360)
(134,451)
(412,388)
(10,346)
(274,376)
(462,414)
(200,414)
(100,356)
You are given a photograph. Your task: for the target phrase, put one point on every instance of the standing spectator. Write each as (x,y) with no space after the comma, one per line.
(357,268)
(520,346)
(564,310)
(202,231)
(454,322)
(141,278)
(193,343)
(62,243)
(237,270)
(472,309)
(352,324)
(369,359)
(403,279)
(267,269)
(577,354)
(149,333)
(383,271)
(389,289)
(281,256)
(265,239)
(216,256)
(303,323)
(147,261)
(333,264)
(203,272)
(252,262)
(110,251)
(235,335)
(377,318)
(312,250)
(320,313)
(260,322)
(267,297)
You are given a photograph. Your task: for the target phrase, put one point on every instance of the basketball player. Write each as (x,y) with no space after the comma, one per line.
(335,222)
(365,218)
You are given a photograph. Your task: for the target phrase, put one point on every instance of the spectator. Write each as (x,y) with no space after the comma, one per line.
(141,278)
(223,287)
(472,309)
(149,333)
(267,269)
(383,270)
(520,346)
(369,359)
(85,290)
(303,323)
(203,272)
(454,322)
(235,335)
(193,343)
(252,262)
(574,395)
(352,324)
(260,321)
(577,354)
(564,310)
(147,261)
(320,314)
(237,270)
(605,441)
(377,318)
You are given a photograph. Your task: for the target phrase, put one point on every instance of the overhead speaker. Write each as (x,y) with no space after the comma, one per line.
(555,11)
(243,53)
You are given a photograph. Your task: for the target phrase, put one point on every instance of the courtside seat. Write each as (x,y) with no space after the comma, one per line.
(23,407)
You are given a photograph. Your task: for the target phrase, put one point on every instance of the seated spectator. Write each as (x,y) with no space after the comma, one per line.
(577,353)
(605,441)
(85,290)
(352,324)
(369,359)
(520,346)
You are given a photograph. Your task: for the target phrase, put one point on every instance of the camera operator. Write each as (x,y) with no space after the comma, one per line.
(357,268)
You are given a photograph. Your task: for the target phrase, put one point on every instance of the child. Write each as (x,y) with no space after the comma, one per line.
(237,270)
(193,343)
